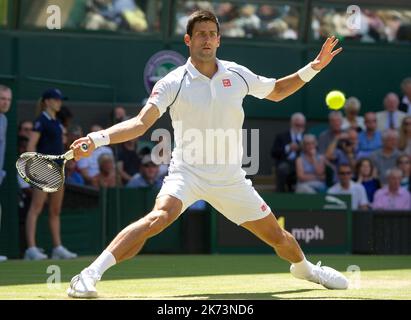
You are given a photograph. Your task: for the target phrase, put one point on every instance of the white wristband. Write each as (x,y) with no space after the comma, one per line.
(100,138)
(307,73)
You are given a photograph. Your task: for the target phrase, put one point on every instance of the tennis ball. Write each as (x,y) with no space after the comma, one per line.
(335,99)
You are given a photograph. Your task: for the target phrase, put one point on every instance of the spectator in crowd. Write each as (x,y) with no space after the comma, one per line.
(404,164)
(345,185)
(106,177)
(24,128)
(392,196)
(24,197)
(147,176)
(310,168)
(285,151)
(404,143)
(335,128)
(47,138)
(74,132)
(386,157)
(365,174)
(65,116)
(128,163)
(72,174)
(405,105)
(248,20)
(391,117)
(352,119)
(369,140)
(118,115)
(115,15)
(5,103)
(343,149)
(89,167)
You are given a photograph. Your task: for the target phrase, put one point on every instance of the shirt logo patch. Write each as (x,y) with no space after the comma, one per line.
(263,207)
(226,83)
(153,94)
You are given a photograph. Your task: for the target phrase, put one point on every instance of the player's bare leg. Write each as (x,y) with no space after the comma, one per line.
(286,247)
(126,245)
(132,238)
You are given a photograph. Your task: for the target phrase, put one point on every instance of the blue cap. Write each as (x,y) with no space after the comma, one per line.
(53,93)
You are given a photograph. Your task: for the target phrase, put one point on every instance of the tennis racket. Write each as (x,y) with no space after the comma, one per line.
(45,172)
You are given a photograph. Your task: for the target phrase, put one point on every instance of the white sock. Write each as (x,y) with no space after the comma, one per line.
(303,268)
(103,262)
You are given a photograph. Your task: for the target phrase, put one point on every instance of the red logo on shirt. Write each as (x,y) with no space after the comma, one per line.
(154,93)
(263,207)
(226,83)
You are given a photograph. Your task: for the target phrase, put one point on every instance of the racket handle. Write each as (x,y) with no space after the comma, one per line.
(70,154)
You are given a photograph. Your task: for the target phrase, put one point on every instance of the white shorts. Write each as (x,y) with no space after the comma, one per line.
(238,202)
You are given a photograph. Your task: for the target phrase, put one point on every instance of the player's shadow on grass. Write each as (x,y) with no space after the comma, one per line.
(269,295)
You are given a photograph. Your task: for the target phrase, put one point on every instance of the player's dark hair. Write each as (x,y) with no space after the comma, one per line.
(201,16)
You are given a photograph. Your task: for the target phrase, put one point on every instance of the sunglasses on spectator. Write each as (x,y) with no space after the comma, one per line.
(344,173)
(404,162)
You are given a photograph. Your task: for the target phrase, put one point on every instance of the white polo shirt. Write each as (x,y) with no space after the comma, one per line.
(201,108)
(357,192)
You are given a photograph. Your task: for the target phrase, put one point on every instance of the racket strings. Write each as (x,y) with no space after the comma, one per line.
(41,172)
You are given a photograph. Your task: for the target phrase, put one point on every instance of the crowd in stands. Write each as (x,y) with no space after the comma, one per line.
(374,25)
(245,20)
(368,157)
(115,15)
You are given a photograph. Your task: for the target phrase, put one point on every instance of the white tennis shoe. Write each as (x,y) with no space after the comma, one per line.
(83,285)
(326,276)
(61,252)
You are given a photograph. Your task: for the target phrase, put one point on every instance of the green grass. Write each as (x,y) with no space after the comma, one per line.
(211,277)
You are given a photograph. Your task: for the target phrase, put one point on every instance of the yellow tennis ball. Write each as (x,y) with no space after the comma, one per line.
(335,99)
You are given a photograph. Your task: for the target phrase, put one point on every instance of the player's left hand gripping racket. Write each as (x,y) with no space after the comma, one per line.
(44,171)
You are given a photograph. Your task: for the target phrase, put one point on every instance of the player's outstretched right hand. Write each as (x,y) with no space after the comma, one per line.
(79,151)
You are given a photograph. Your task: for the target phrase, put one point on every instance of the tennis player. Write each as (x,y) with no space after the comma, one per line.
(205,94)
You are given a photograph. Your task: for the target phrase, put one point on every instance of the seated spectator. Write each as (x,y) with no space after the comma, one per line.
(118,115)
(392,196)
(24,129)
(405,105)
(285,151)
(107,174)
(65,116)
(369,140)
(335,128)
(358,194)
(391,117)
(115,14)
(365,174)
(89,167)
(404,143)
(310,168)
(386,157)
(404,164)
(72,175)
(147,176)
(343,150)
(352,119)
(73,133)
(128,163)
